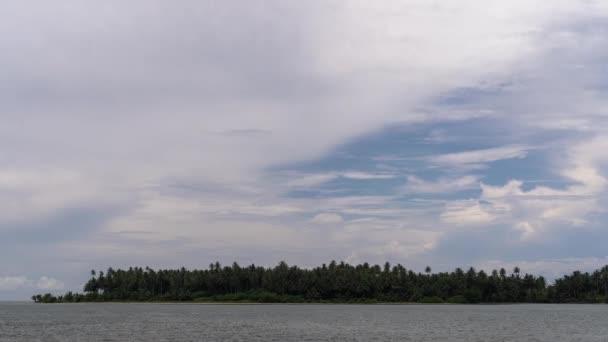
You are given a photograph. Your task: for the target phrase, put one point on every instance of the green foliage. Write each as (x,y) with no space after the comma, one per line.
(473,295)
(459,299)
(251,297)
(431,300)
(334,283)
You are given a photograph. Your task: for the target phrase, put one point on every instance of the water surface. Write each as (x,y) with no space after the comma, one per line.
(286,323)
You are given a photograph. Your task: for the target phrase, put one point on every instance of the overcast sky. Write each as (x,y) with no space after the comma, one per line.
(177,133)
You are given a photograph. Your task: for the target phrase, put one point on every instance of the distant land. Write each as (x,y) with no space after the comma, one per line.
(334,283)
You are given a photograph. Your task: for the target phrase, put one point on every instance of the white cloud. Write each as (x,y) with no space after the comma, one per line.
(9,283)
(467,212)
(49,284)
(416,185)
(386,239)
(118,124)
(313,180)
(567,124)
(14,283)
(527,230)
(358,175)
(534,211)
(31,193)
(481,156)
(325,218)
(586,160)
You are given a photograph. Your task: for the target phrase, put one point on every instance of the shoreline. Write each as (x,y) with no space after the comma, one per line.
(313,303)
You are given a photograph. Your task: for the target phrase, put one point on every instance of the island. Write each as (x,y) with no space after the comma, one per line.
(333,283)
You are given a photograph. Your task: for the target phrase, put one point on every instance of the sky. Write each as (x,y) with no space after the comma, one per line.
(168,134)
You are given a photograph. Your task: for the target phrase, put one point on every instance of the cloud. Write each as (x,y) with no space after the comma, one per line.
(533,212)
(184,68)
(180,116)
(480,156)
(358,175)
(386,239)
(467,212)
(37,193)
(587,160)
(325,218)
(13,282)
(312,180)
(416,185)
(49,284)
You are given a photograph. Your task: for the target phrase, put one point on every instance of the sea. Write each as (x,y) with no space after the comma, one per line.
(301,322)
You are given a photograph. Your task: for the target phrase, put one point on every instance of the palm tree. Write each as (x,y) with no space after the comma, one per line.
(516,271)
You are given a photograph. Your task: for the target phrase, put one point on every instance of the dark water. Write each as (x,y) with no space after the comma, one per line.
(152,322)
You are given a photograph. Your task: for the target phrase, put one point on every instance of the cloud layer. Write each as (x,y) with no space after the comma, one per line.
(148,133)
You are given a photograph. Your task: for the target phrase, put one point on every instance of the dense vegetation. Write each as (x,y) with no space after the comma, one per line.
(335,283)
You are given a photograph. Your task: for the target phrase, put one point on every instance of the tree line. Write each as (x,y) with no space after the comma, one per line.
(335,283)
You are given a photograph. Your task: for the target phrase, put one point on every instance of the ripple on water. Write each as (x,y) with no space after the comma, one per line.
(424,323)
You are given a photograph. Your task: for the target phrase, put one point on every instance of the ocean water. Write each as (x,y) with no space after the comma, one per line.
(285,323)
